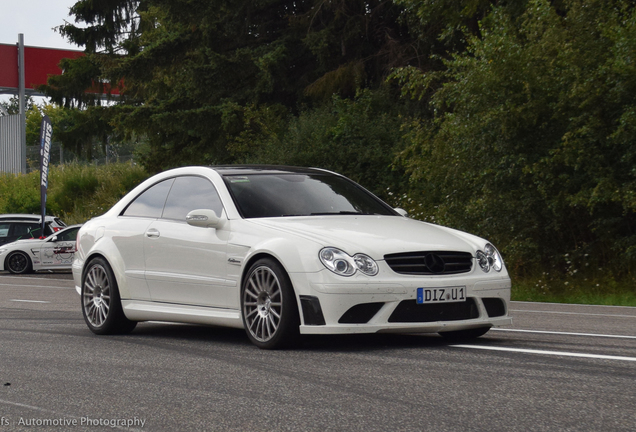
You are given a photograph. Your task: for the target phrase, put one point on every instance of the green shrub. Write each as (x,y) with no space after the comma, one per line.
(20,194)
(358,138)
(79,183)
(76,192)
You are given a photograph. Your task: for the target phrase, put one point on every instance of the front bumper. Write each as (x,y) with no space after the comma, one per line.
(388,304)
(76,269)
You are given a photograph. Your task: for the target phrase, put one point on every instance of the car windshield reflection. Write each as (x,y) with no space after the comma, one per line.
(285,195)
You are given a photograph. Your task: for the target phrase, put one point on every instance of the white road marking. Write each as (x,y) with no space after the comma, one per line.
(573,313)
(34,286)
(564,333)
(33,278)
(543,352)
(573,304)
(29,301)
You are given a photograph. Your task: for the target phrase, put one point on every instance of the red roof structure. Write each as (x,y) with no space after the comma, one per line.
(39,64)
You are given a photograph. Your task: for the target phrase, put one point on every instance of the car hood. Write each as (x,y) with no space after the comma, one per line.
(374,235)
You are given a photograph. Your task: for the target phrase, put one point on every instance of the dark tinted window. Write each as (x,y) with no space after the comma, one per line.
(68,235)
(150,202)
(27,230)
(275,195)
(190,193)
(4,230)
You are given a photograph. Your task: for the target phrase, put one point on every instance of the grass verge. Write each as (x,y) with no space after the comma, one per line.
(606,291)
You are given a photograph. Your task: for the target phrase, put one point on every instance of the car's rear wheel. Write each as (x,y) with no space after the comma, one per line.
(464,335)
(101,304)
(18,262)
(268,305)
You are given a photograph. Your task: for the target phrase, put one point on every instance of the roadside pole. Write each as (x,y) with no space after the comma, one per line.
(21,94)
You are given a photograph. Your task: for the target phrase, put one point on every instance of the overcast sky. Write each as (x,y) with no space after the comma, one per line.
(35,19)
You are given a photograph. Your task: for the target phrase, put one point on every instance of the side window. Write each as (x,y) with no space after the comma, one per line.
(150,203)
(190,193)
(68,235)
(26,230)
(4,230)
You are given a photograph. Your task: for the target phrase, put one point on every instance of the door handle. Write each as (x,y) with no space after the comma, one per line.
(152,233)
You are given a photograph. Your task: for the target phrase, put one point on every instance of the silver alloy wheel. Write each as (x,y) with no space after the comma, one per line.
(96,295)
(262,303)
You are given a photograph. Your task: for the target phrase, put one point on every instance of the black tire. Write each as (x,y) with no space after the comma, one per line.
(268,306)
(18,262)
(464,335)
(101,304)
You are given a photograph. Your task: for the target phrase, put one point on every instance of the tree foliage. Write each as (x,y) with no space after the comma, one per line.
(531,140)
(183,65)
(358,137)
(518,125)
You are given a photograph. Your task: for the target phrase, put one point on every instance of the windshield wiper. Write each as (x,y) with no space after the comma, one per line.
(343,212)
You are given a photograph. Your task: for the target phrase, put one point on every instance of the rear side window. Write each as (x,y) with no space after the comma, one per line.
(4,230)
(190,193)
(27,230)
(150,203)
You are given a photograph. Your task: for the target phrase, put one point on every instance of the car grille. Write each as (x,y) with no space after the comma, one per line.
(430,262)
(408,311)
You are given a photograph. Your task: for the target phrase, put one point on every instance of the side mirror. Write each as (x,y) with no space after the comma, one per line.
(53,239)
(401,212)
(203,218)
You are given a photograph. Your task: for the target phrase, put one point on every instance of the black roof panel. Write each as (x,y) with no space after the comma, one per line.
(265,169)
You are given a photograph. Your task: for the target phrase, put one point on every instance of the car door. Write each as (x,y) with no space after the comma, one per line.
(187,264)
(129,233)
(59,250)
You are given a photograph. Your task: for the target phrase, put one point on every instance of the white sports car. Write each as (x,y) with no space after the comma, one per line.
(282,251)
(56,252)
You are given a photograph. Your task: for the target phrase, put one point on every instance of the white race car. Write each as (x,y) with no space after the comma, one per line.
(56,252)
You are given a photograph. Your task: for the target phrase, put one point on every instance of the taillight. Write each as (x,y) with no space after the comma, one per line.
(56,229)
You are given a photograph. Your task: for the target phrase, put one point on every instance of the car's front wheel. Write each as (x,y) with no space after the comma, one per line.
(101,304)
(18,262)
(268,305)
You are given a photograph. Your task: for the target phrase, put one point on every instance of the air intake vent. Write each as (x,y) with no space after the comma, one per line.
(360,314)
(430,263)
(494,306)
(409,311)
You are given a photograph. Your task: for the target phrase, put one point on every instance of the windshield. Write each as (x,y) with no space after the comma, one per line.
(279,195)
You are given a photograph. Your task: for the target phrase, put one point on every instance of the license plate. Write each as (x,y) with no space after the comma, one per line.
(441,295)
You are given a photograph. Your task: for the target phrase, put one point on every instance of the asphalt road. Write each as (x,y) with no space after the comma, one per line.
(558,368)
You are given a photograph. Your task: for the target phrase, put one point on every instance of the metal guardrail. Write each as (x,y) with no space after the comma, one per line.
(10,150)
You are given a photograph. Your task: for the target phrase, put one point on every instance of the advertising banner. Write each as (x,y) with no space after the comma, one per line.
(46,131)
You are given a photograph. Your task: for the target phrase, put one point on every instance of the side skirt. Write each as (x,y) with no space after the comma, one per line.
(136,310)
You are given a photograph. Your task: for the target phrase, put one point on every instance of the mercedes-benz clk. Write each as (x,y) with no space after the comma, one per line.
(282,252)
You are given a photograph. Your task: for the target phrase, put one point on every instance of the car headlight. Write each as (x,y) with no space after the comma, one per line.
(489,258)
(343,264)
